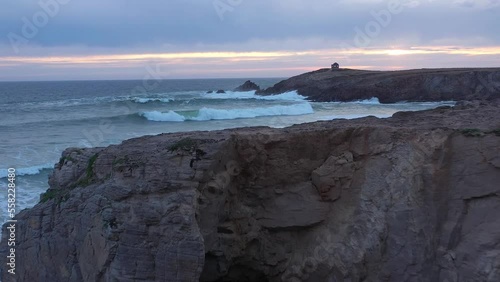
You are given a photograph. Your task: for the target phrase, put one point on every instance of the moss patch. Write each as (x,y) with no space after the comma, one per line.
(120,161)
(475,132)
(90,166)
(58,195)
(496,132)
(472,132)
(186,144)
(63,195)
(63,160)
(49,195)
(89,173)
(190,147)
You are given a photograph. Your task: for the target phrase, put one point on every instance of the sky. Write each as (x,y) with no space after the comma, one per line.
(130,39)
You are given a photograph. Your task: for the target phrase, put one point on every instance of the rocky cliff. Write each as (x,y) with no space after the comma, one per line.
(410,198)
(326,85)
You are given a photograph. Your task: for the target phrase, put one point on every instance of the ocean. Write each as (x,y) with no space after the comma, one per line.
(38,120)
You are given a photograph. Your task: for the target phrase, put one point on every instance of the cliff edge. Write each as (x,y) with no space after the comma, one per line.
(411,198)
(345,85)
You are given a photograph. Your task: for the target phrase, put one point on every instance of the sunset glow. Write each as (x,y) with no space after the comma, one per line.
(244,56)
(193,40)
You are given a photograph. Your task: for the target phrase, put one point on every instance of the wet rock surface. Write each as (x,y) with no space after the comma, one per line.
(409,198)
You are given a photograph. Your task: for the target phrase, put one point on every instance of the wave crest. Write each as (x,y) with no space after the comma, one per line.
(32,170)
(288,96)
(149,100)
(205,114)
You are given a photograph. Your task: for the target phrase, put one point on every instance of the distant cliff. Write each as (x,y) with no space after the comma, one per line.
(411,198)
(326,85)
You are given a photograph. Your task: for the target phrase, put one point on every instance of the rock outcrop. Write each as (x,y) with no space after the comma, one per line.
(394,86)
(247,86)
(411,198)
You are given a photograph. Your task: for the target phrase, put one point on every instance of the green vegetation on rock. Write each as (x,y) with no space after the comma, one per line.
(63,160)
(472,132)
(120,161)
(54,194)
(89,172)
(189,146)
(186,144)
(496,132)
(48,195)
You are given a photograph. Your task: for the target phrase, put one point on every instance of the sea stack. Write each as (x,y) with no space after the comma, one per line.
(247,86)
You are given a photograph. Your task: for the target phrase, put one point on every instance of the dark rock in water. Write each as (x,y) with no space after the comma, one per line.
(414,197)
(210,92)
(247,86)
(221,91)
(393,86)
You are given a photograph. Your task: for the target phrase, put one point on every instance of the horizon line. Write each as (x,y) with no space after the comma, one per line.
(248,77)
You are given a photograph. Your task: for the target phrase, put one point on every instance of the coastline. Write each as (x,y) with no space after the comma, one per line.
(419,85)
(240,197)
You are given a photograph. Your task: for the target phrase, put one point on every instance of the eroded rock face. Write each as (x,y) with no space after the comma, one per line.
(411,198)
(394,86)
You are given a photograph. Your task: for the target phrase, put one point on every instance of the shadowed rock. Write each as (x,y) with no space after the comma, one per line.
(345,85)
(247,86)
(409,198)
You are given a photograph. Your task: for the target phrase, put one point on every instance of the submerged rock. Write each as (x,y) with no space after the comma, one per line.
(409,198)
(221,91)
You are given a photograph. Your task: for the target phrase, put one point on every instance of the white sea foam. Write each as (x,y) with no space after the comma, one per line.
(159,116)
(231,95)
(147,100)
(290,110)
(32,170)
(289,96)
(205,114)
(353,116)
(371,101)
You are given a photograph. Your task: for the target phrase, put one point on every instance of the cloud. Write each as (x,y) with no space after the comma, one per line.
(240,64)
(481,4)
(186,23)
(466,3)
(92,28)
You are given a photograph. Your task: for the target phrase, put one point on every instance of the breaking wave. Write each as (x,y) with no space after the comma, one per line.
(205,114)
(148,100)
(289,96)
(32,170)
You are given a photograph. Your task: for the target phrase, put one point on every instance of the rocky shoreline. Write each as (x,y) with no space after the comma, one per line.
(409,198)
(421,85)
